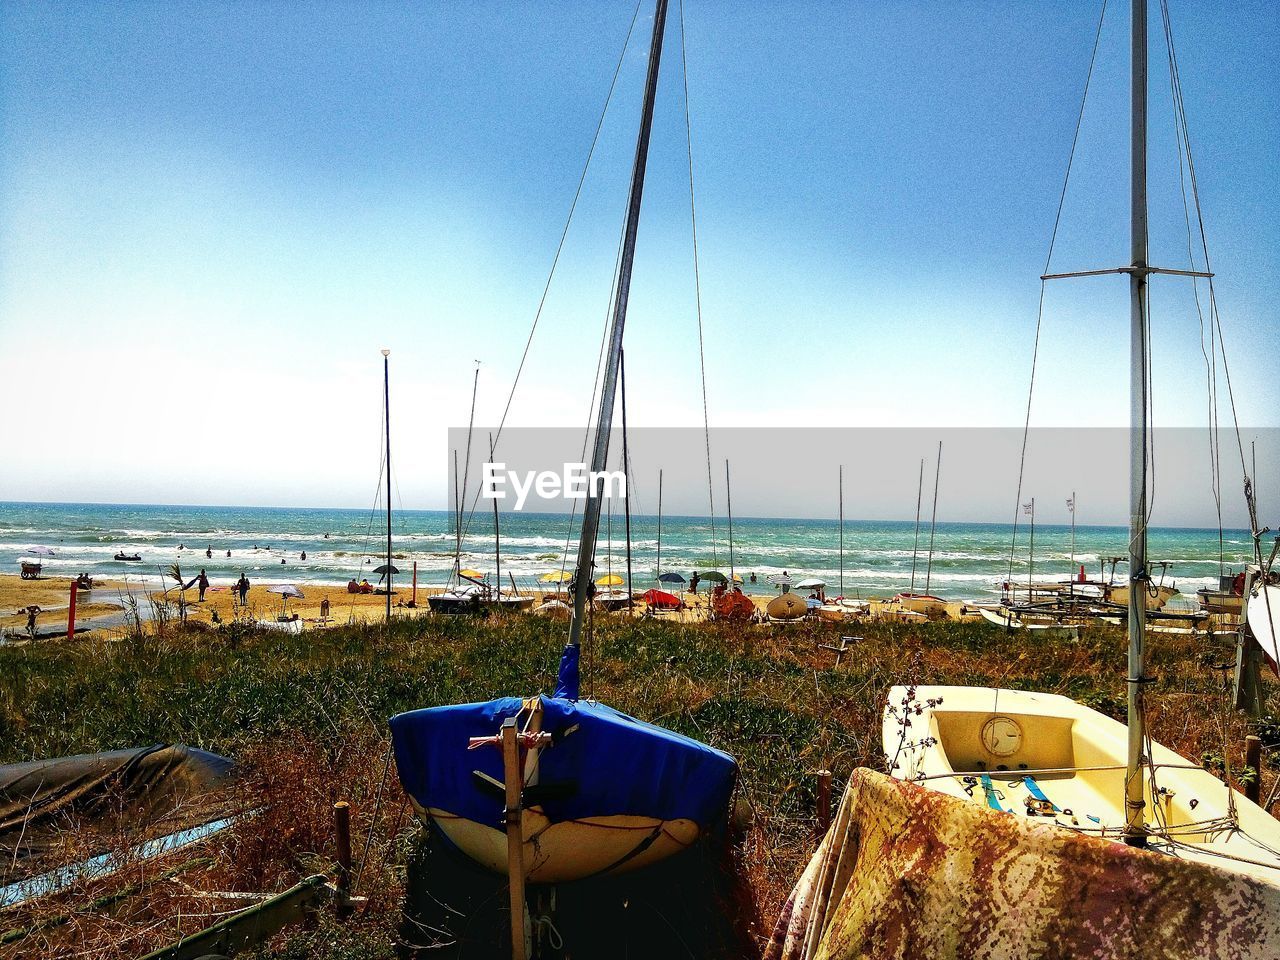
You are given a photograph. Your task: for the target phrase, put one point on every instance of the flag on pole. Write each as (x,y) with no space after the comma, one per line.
(1027,507)
(1071,504)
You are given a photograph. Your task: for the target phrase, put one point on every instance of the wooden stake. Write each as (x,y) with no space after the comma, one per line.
(1253,758)
(515,840)
(824,801)
(342,830)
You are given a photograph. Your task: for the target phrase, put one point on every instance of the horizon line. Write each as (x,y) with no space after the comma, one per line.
(537,513)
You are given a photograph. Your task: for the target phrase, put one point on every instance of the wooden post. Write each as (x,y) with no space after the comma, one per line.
(514,781)
(824,801)
(71,613)
(342,829)
(1253,758)
(414,602)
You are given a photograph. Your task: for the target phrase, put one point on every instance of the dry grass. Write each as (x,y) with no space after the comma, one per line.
(306,716)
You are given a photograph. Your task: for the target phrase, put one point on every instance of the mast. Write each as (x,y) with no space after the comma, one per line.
(728,505)
(457,520)
(842,530)
(1135,832)
(568,682)
(497,544)
(1071,505)
(933,521)
(916,548)
(1031,552)
(626,474)
(658,574)
(386,405)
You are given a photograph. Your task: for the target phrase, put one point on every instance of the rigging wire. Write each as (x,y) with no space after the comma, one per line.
(1053,239)
(564,233)
(697,286)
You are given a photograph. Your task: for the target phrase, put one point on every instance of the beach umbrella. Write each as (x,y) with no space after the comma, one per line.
(715,576)
(385,569)
(41,551)
(555,576)
(286,590)
(671,578)
(812,583)
(779,579)
(737,578)
(612,580)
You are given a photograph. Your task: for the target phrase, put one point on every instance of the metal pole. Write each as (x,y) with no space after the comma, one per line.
(386,400)
(626,475)
(1031,552)
(600,452)
(1135,832)
(916,548)
(842,530)
(659,573)
(728,505)
(933,522)
(1072,573)
(497,543)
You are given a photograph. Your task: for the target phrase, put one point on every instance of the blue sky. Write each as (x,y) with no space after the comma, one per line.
(212,216)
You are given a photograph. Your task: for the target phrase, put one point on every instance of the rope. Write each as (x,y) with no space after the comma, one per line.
(1217,344)
(377,806)
(1053,239)
(697,289)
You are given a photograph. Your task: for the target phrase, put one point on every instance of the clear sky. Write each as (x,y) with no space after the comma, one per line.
(212,216)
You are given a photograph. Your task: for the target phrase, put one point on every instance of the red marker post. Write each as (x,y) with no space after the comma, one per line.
(71,613)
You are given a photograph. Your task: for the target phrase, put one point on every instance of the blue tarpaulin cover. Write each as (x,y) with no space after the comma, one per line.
(619,765)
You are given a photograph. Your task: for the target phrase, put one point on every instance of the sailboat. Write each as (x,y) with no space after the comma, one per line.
(592,790)
(924,603)
(1048,758)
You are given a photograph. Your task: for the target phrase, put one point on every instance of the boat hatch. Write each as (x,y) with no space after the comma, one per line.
(978,740)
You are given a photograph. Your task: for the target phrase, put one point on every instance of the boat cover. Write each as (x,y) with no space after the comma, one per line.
(110,791)
(617,765)
(909,872)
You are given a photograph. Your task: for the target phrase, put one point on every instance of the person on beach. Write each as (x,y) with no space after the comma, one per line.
(31,620)
(208,553)
(753,578)
(693,582)
(202,582)
(242,585)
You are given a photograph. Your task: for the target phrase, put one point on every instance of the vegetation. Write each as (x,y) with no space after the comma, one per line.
(307,716)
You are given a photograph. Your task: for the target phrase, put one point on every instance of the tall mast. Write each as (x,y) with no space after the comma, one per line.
(728,501)
(497,544)
(626,474)
(568,684)
(933,521)
(841,485)
(915,550)
(386,404)
(1135,832)
(658,574)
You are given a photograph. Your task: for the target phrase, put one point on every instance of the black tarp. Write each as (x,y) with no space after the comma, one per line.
(85,802)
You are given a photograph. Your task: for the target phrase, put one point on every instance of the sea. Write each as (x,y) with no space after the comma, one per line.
(964,561)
